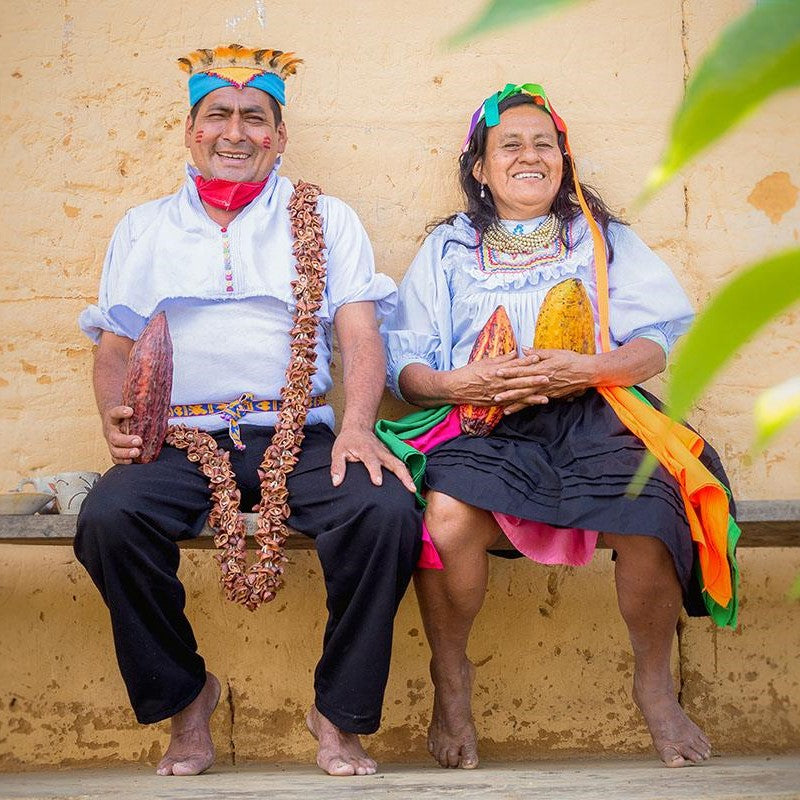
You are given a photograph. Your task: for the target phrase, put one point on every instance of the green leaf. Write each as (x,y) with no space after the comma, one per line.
(775,409)
(505,12)
(754,57)
(746,303)
(794,592)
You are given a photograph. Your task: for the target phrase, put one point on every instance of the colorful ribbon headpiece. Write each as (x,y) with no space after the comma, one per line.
(489,110)
(238,66)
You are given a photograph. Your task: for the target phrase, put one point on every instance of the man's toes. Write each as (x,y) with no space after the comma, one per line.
(696,753)
(671,755)
(338,766)
(191,766)
(368,766)
(165,769)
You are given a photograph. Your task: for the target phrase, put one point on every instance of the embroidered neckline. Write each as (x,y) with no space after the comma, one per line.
(491,259)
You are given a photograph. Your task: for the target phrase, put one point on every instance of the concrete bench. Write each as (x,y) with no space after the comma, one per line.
(764,523)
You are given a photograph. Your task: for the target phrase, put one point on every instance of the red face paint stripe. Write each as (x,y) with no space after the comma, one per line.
(266,143)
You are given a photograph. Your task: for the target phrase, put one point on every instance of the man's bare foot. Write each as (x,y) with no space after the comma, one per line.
(191,750)
(339,753)
(677,739)
(452,739)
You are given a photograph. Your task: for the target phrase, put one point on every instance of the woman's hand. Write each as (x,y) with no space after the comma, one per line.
(487,381)
(543,374)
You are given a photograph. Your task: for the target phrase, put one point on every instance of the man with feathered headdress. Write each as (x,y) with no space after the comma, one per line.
(254,275)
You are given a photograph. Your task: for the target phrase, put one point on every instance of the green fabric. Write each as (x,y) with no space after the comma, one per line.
(723,616)
(394,432)
(726,616)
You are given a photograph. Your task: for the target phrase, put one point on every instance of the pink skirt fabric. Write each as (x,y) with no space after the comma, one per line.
(536,540)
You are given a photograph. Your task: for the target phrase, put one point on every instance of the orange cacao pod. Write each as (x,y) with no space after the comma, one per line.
(148,387)
(495,339)
(565,320)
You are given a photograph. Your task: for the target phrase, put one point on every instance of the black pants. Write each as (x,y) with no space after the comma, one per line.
(368,540)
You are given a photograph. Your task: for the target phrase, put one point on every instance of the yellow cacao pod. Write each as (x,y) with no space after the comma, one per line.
(566,321)
(495,339)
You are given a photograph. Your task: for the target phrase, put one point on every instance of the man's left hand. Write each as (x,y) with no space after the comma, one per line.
(358,444)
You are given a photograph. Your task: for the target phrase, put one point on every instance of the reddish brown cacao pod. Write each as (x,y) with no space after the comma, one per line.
(495,339)
(148,387)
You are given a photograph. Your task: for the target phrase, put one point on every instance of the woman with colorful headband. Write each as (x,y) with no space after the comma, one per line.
(556,468)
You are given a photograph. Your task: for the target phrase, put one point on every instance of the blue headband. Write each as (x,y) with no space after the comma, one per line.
(202,83)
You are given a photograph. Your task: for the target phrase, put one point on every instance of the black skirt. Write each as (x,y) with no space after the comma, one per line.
(569,464)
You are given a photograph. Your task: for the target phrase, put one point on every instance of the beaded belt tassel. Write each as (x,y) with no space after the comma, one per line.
(251,586)
(234,411)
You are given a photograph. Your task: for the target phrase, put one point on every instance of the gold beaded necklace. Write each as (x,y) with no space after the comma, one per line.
(497,237)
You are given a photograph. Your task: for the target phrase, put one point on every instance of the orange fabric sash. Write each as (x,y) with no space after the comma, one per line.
(675,446)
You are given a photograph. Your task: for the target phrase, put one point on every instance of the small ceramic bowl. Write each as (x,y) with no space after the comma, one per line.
(23,502)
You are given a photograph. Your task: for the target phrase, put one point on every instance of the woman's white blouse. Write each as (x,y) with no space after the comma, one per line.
(452,288)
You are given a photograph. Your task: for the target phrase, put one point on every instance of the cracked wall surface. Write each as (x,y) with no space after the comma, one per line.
(92,107)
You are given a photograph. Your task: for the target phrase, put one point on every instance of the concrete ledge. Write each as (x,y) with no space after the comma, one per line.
(764,523)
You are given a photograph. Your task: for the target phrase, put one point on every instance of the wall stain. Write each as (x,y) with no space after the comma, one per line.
(774,195)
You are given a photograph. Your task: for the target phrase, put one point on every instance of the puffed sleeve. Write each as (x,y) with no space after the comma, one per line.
(107,315)
(420,329)
(645,299)
(351,264)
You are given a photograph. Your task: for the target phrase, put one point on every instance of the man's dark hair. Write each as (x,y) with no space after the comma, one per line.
(273,104)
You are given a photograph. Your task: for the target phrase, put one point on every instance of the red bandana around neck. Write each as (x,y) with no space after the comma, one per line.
(227,195)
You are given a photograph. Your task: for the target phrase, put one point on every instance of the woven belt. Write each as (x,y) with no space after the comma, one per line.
(232,412)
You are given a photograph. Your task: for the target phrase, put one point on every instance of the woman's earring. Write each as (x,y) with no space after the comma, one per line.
(483,191)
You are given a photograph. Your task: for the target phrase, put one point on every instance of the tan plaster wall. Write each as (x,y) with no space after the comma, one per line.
(92,112)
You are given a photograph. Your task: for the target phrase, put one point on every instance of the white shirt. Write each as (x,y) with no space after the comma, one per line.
(452,288)
(168,255)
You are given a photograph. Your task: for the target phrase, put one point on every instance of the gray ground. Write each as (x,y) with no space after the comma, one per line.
(725,778)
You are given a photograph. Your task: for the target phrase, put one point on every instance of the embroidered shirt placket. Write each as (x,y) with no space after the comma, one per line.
(226,259)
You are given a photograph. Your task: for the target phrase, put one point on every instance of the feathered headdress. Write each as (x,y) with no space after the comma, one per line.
(239,66)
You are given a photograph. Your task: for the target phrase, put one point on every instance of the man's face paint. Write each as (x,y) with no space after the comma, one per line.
(240,141)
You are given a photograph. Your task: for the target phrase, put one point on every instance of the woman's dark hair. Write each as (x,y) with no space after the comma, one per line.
(482,211)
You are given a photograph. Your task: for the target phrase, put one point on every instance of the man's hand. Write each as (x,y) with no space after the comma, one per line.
(358,444)
(122,446)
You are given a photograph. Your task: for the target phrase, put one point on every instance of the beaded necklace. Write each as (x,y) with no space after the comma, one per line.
(258,583)
(497,237)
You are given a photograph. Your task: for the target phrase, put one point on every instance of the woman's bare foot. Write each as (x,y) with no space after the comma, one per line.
(452,739)
(339,753)
(191,750)
(677,739)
